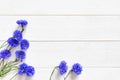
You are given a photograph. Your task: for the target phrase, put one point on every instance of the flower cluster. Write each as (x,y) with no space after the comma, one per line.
(77,68)
(12,43)
(63,68)
(25,69)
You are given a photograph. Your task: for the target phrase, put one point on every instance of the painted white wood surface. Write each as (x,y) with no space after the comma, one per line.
(47,28)
(92,41)
(89,54)
(88,74)
(60,7)
(84,31)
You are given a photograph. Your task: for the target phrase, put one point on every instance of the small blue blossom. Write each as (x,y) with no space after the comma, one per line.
(22,22)
(13,42)
(4,54)
(24,44)
(30,71)
(77,68)
(20,55)
(63,67)
(17,35)
(22,69)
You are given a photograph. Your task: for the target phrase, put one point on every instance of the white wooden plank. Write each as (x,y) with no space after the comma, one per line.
(69,7)
(45,28)
(89,54)
(87,74)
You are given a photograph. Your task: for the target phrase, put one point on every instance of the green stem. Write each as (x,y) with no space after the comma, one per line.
(9,64)
(4,72)
(3,45)
(2,63)
(14,76)
(7,68)
(22,28)
(67,74)
(53,72)
(15,68)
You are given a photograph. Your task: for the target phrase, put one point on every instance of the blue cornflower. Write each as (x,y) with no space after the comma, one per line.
(13,42)
(20,55)
(4,54)
(77,68)
(17,35)
(24,44)
(22,22)
(30,71)
(22,69)
(63,67)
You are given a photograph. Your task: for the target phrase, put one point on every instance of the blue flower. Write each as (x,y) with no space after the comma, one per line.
(63,67)
(22,22)
(25,69)
(77,68)
(20,55)
(24,44)
(4,54)
(13,42)
(30,71)
(17,35)
(22,69)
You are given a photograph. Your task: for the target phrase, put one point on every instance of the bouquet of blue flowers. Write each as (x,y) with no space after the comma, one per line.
(16,41)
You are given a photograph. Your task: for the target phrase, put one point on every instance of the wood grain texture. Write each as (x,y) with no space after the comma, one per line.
(61,7)
(64,28)
(88,74)
(89,54)
(84,31)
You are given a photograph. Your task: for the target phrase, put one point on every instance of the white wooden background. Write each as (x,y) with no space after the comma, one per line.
(84,31)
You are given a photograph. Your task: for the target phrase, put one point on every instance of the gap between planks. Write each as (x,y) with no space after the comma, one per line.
(59,14)
(71,40)
(87,67)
